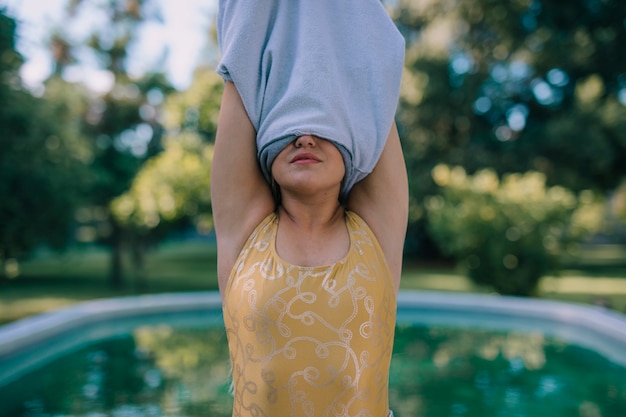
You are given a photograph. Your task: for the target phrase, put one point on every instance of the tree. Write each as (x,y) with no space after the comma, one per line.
(124,121)
(507,234)
(197,108)
(174,186)
(42,161)
(516,86)
(172,190)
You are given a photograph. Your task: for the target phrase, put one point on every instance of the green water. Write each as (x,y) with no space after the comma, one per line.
(436,372)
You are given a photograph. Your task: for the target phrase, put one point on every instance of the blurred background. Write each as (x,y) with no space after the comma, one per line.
(512,117)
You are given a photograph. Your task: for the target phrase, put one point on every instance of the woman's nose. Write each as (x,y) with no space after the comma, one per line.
(305,140)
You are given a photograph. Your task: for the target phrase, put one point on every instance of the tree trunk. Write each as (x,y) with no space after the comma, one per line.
(139,262)
(116,276)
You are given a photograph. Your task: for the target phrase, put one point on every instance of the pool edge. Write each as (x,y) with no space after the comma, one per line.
(593,327)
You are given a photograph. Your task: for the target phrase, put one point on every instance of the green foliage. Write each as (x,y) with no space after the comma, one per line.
(171,187)
(94,159)
(508,233)
(513,86)
(122,139)
(197,108)
(43,160)
(122,122)
(10,59)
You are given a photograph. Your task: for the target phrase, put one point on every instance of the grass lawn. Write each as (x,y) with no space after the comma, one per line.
(49,282)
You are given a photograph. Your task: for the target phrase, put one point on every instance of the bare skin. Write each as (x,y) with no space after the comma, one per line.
(312,229)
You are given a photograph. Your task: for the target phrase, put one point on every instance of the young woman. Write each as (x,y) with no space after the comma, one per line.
(308,278)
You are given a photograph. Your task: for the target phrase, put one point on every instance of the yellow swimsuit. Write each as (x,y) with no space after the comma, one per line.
(310,341)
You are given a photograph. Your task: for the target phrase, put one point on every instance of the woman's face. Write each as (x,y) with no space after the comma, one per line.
(308,165)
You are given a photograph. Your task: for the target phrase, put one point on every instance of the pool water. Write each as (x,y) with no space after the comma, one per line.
(437,371)
(478,373)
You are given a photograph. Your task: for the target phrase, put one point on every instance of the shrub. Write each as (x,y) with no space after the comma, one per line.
(507,232)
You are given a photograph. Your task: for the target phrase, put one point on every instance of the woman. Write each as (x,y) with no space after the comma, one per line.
(308,284)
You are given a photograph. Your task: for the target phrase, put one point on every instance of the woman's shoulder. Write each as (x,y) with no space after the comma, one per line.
(231,243)
(357,224)
(268,224)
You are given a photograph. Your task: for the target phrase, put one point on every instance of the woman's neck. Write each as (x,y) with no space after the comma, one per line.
(311,213)
(312,235)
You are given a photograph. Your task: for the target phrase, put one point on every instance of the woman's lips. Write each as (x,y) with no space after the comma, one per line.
(305,157)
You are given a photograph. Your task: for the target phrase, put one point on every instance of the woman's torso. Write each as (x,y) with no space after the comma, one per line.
(310,341)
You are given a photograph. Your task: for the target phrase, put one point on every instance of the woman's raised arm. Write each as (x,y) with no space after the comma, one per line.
(382,200)
(240,196)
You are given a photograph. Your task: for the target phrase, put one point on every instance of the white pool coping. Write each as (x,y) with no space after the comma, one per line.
(35,329)
(595,328)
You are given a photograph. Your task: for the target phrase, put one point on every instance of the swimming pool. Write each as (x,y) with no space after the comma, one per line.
(455,355)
